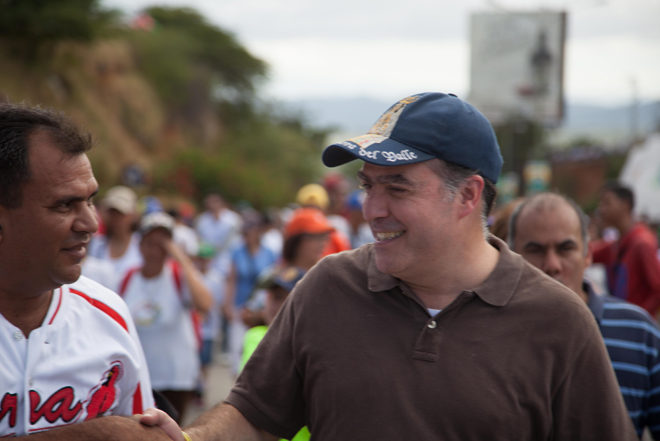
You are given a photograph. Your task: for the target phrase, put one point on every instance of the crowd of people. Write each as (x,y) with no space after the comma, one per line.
(192,283)
(389,312)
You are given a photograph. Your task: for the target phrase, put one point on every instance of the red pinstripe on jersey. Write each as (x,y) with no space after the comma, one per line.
(59,303)
(137,400)
(103,307)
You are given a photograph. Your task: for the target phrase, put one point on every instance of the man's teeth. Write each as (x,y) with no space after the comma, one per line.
(385,236)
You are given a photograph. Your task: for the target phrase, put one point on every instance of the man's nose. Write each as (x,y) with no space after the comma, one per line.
(552,264)
(374,206)
(87,220)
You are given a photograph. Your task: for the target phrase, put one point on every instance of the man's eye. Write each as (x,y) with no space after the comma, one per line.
(364,186)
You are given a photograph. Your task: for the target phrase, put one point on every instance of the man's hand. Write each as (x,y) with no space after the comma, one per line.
(155,417)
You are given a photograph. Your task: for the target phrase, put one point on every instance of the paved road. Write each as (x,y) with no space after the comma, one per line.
(220,382)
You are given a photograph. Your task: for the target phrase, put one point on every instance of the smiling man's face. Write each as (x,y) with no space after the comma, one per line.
(411,217)
(48,234)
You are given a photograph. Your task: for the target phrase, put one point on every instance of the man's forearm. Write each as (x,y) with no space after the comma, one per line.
(111,428)
(225,423)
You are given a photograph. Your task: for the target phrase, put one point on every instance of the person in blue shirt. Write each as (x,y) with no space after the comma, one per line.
(550,231)
(247,262)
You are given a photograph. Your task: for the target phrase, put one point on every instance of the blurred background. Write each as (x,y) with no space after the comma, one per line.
(242,96)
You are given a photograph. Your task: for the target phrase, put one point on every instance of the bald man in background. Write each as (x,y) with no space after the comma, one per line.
(550,231)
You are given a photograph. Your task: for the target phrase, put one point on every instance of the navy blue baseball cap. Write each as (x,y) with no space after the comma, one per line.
(285,278)
(422,127)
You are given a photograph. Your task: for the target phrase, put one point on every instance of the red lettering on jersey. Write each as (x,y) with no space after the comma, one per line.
(8,406)
(55,407)
(104,396)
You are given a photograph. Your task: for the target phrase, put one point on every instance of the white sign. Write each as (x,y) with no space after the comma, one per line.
(517,64)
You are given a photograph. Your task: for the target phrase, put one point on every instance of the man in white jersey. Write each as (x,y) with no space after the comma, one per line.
(68,348)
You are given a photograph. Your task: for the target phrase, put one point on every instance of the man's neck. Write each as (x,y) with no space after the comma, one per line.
(584,295)
(467,268)
(152,270)
(26,313)
(625,225)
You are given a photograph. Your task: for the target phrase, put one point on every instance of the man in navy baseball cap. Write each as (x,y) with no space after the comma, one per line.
(422,127)
(435,331)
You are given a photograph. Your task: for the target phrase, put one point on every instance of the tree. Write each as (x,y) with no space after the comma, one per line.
(33,25)
(195,65)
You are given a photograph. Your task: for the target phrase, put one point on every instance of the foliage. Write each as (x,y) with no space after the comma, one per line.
(193,63)
(33,25)
(265,164)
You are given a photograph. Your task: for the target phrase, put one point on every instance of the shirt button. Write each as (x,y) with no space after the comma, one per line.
(18,335)
(31,382)
(432,324)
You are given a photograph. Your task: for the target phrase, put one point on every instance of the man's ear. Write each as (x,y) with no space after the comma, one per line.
(470,195)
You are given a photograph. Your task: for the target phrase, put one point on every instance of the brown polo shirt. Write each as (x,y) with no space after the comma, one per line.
(355,355)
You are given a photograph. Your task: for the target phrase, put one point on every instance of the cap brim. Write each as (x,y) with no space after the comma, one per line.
(374,149)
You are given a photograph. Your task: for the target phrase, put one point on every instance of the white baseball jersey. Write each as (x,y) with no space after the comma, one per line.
(85,361)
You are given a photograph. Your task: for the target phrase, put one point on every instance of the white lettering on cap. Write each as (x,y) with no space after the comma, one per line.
(368,154)
(404,155)
(348,145)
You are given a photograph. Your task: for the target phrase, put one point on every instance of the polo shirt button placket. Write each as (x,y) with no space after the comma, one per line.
(432,324)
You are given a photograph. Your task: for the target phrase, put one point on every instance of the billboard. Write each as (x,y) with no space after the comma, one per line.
(517,65)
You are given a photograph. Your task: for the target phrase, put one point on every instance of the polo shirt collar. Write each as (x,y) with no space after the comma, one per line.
(496,290)
(596,302)
(499,286)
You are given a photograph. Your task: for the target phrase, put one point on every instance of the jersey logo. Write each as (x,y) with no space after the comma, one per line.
(8,406)
(59,405)
(103,396)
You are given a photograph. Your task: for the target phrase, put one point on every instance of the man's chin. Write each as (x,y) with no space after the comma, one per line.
(71,275)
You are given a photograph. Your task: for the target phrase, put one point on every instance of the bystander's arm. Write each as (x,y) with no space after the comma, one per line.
(230,294)
(650,271)
(110,428)
(601,251)
(224,422)
(201,297)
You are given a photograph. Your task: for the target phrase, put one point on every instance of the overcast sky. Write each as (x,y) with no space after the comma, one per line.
(389,49)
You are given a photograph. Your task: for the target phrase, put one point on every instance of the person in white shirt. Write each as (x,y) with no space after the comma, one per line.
(100,271)
(219,226)
(119,244)
(184,236)
(164,296)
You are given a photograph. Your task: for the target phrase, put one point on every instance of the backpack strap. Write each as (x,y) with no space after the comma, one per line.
(124,283)
(176,273)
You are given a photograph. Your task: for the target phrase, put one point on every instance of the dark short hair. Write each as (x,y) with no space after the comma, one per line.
(290,247)
(18,123)
(622,192)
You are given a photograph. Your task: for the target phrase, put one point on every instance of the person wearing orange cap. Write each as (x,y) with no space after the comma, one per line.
(306,238)
(314,196)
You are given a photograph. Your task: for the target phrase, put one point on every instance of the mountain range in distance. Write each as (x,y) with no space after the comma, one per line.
(610,126)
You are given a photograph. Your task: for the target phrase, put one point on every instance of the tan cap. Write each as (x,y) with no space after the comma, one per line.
(313,195)
(122,199)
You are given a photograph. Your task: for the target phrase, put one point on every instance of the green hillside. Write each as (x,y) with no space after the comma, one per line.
(178,98)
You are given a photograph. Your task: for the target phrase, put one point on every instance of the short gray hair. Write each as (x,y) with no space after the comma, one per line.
(454,176)
(540,200)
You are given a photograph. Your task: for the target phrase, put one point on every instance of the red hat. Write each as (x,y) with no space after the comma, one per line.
(308,221)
